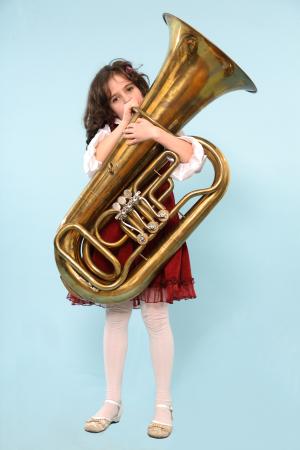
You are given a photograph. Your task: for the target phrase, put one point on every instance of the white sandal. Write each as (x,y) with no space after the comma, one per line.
(160,429)
(99,423)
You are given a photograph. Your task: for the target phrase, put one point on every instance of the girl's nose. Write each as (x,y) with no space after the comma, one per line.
(127,98)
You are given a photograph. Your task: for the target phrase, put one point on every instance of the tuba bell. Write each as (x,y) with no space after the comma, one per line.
(195,72)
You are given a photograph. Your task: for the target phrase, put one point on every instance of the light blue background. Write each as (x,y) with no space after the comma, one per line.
(236,370)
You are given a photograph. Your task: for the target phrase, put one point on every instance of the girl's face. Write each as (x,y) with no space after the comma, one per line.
(121,91)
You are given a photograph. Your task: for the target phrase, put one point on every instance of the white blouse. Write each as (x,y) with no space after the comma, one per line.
(184,170)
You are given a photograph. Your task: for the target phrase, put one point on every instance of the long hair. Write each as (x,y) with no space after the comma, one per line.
(98,111)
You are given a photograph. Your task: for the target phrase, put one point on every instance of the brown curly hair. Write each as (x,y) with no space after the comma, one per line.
(98,112)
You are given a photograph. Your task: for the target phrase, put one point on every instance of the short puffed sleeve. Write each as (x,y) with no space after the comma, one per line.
(90,164)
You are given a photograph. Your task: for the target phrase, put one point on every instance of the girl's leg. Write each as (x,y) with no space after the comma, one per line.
(115,340)
(156,319)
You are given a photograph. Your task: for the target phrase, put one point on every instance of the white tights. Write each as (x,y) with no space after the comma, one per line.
(115,342)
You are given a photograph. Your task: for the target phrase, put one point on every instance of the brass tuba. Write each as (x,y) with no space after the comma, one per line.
(194,73)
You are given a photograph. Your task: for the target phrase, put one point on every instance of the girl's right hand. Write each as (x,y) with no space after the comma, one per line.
(127,113)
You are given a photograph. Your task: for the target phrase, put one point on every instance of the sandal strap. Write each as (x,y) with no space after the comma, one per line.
(156,423)
(98,419)
(161,405)
(113,402)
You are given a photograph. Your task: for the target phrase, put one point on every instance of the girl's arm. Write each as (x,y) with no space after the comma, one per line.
(183,148)
(189,150)
(142,130)
(106,145)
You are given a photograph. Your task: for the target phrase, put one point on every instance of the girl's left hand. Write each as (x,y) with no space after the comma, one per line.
(139,131)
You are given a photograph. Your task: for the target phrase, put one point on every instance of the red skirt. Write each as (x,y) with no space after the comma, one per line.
(173,282)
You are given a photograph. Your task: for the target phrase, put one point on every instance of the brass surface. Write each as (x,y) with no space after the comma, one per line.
(194,73)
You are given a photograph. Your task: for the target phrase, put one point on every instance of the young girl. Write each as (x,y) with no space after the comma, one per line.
(115,89)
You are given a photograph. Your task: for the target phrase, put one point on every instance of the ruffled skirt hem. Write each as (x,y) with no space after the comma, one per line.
(168,292)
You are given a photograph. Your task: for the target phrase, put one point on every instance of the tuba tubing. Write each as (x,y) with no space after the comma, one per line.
(194,73)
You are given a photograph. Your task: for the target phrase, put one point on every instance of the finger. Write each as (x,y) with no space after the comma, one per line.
(131,141)
(128,136)
(128,130)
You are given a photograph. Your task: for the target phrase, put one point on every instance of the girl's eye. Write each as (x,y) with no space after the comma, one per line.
(129,88)
(114,99)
